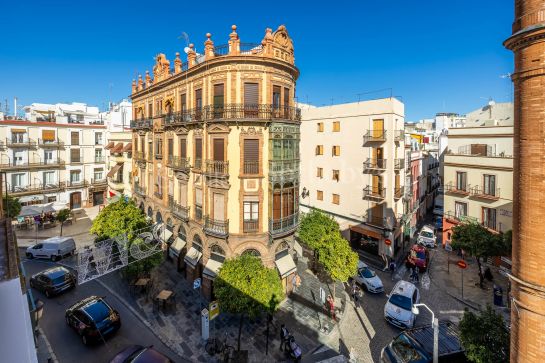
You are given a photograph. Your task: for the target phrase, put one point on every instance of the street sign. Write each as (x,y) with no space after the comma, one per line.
(197,283)
(214,310)
(448,247)
(462,264)
(387,242)
(322,295)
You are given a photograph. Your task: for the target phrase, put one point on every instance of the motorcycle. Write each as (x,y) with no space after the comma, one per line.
(293,350)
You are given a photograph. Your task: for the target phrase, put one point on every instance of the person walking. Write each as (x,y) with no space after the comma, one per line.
(414,275)
(354,286)
(357,296)
(284,334)
(392,269)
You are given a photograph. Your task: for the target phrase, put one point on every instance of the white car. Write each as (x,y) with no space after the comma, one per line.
(398,308)
(427,237)
(368,278)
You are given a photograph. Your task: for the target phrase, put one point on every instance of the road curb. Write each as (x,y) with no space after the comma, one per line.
(53,357)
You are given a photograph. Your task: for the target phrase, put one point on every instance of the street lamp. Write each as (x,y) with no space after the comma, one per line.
(435,324)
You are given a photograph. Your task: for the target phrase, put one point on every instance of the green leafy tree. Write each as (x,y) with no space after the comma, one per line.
(12,207)
(477,241)
(314,226)
(245,287)
(62,216)
(485,337)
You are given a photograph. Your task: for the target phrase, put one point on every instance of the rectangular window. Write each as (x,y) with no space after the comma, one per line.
(319,149)
(460,210)
(17,180)
(183,103)
(461,180)
(183,148)
(336,150)
(489,218)
(218,100)
(74,176)
(198,153)
(251,100)
(98,138)
(48,178)
(18,137)
(198,204)
(251,216)
(320,172)
(150,110)
(489,187)
(319,195)
(276,97)
(98,173)
(198,99)
(218,145)
(150,149)
(18,156)
(170,147)
(286,97)
(75,156)
(336,126)
(251,156)
(336,199)
(74,137)
(159,147)
(336,175)
(320,126)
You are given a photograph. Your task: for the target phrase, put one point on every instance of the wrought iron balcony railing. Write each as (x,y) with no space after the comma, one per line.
(399,164)
(178,163)
(371,192)
(217,168)
(35,188)
(485,193)
(142,124)
(50,143)
(178,210)
(250,167)
(374,136)
(398,192)
(20,142)
(77,184)
(198,164)
(21,165)
(250,226)
(374,164)
(462,189)
(216,227)
(283,226)
(139,190)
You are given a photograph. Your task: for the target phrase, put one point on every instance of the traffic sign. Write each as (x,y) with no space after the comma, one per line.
(387,242)
(448,247)
(197,283)
(462,264)
(214,310)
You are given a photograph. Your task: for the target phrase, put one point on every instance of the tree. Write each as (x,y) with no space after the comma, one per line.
(485,337)
(477,241)
(314,226)
(245,287)
(62,216)
(11,205)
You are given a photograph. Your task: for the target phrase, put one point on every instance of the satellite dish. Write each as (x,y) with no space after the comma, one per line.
(186,50)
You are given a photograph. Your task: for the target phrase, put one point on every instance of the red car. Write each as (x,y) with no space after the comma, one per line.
(419,257)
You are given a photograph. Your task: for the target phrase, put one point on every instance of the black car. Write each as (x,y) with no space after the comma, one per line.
(140,354)
(93,319)
(53,281)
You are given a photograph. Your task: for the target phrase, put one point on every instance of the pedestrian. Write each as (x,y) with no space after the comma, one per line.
(297,280)
(357,295)
(354,286)
(331,304)
(284,334)
(415,276)
(392,269)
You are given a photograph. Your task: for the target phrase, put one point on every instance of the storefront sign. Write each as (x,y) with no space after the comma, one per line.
(197,283)
(214,310)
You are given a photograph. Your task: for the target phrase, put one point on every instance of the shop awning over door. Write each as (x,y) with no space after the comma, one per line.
(177,246)
(193,256)
(366,231)
(212,268)
(285,265)
(110,145)
(114,170)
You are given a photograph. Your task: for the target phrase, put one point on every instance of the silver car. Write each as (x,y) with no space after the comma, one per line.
(368,279)
(398,308)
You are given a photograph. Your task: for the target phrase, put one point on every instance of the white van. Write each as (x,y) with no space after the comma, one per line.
(53,248)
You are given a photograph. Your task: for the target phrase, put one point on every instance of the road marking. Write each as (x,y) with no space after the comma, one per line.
(451,312)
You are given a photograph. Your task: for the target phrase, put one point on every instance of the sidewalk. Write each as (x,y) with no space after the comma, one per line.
(181,329)
(473,296)
(44,351)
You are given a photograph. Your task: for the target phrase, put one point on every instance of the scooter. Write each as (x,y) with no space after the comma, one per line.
(293,350)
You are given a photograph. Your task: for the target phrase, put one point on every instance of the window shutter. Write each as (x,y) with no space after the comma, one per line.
(74,138)
(251,93)
(74,155)
(198,148)
(183,148)
(251,150)
(198,98)
(48,135)
(183,106)
(198,197)
(219,207)
(218,150)
(170,147)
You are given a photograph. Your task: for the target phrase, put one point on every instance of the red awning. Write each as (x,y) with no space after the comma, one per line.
(366,231)
(118,148)
(110,145)
(114,170)
(128,147)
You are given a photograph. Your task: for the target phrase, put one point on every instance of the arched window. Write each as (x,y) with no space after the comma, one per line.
(150,212)
(252,252)
(197,243)
(282,250)
(158,217)
(170,225)
(217,253)
(181,233)
(142,207)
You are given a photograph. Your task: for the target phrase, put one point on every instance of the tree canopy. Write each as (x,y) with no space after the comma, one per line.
(62,216)
(314,226)
(118,218)
(485,337)
(12,207)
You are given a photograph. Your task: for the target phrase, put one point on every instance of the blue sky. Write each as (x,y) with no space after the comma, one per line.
(436,55)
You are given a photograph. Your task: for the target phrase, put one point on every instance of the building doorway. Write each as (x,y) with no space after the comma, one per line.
(98,198)
(75,200)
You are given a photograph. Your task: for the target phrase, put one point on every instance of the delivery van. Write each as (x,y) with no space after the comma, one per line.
(53,248)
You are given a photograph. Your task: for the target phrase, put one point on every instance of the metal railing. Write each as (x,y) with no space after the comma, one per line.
(18,142)
(217,167)
(33,164)
(145,123)
(284,166)
(398,192)
(250,226)
(370,163)
(250,167)
(35,188)
(50,143)
(486,193)
(100,159)
(216,227)
(178,210)
(457,189)
(198,212)
(374,192)
(77,184)
(139,190)
(284,225)
(198,164)
(98,181)
(178,163)
(374,136)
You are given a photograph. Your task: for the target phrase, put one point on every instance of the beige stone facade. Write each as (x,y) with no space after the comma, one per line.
(216,152)
(119,173)
(528,279)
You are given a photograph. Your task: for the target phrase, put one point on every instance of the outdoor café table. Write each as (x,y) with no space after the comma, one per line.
(142,283)
(163,296)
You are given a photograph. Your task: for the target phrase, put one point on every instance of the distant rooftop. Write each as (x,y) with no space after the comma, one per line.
(493,114)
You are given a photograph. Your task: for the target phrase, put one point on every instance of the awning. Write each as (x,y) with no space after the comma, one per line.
(177,246)
(285,265)
(366,231)
(110,145)
(165,236)
(297,247)
(48,135)
(212,268)
(128,147)
(114,170)
(118,148)
(192,256)
(18,130)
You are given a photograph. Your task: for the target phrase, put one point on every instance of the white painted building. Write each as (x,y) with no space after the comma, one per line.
(352,167)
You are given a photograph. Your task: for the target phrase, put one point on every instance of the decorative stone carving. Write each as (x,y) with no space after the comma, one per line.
(208,47)
(161,70)
(181,131)
(218,128)
(234,42)
(177,63)
(183,177)
(250,131)
(191,56)
(148,79)
(133,85)
(218,184)
(140,82)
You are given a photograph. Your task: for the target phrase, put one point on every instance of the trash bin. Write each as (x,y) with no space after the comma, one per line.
(498,296)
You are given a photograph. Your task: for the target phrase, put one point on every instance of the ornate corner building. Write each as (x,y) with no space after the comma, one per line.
(216,153)
(527,279)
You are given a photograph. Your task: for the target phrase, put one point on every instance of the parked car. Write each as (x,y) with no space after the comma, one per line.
(418,257)
(93,319)
(416,345)
(140,354)
(53,281)
(368,279)
(439,223)
(398,308)
(53,248)
(426,237)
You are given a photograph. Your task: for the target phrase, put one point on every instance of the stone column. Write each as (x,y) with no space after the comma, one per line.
(527,279)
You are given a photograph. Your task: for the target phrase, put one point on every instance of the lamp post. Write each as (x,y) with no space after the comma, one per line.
(435,324)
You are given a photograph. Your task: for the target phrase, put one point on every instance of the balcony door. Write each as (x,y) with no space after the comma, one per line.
(377,185)
(461,180)
(251,100)
(378,128)
(276,100)
(218,145)
(218,100)
(219,207)
(378,156)
(377,214)
(48,157)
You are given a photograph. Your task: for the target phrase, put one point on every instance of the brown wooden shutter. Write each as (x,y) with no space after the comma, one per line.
(251,150)
(276,96)
(170,147)
(183,103)
(251,93)
(198,148)
(74,138)
(218,150)
(286,97)
(478,149)
(183,148)
(74,155)
(198,98)
(48,135)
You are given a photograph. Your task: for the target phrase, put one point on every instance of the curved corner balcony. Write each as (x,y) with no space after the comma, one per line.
(142,124)
(283,226)
(216,228)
